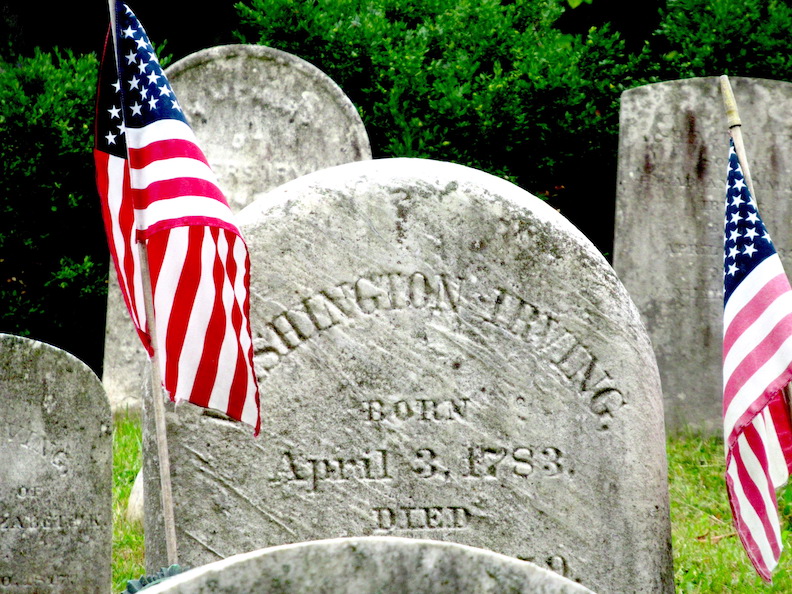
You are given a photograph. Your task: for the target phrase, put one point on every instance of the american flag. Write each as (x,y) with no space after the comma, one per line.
(156,187)
(757,365)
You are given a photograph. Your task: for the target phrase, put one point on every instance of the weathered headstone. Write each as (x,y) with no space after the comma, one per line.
(668,248)
(56,524)
(441,355)
(370,565)
(262,117)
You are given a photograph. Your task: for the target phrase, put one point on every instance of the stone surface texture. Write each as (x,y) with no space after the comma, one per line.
(262,117)
(668,248)
(56,472)
(441,355)
(370,565)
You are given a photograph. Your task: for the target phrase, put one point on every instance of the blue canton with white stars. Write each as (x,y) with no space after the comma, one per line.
(746,242)
(138,93)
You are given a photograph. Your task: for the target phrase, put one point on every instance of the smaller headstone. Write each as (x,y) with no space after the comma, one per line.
(373,564)
(262,117)
(56,472)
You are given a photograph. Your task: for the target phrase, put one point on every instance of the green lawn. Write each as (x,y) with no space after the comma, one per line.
(708,556)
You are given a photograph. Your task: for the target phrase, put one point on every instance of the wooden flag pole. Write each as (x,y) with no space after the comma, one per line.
(157,397)
(735,129)
(158,408)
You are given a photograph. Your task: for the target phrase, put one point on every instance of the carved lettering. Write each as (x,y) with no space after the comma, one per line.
(419,410)
(366,296)
(420,518)
(574,361)
(311,472)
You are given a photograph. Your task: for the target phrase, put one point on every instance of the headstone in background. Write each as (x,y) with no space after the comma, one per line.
(441,355)
(668,248)
(262,117)
(370,565)
(56,524)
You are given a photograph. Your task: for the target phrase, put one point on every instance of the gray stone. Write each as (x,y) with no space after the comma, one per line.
(262,117)
(668,248)
(56,475)
(441,355)
(370,565)
(134,511)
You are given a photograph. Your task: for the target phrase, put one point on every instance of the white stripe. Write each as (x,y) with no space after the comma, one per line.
(756,332)
(226,360)
(168,280)
(250,413)
(756,385)
(757,475)
(167,169)
(175,208)
(777,465)
(750,519)
(116,167)
(138,138)
(750,286)
(201,313)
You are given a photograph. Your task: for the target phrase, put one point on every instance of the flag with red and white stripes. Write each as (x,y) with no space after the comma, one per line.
(757,366)
(156,187)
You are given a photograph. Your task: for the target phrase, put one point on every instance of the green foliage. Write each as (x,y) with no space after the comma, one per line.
(487,84)
(714,37)
(53,262)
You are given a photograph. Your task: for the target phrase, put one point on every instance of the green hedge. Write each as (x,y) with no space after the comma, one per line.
(490,84)
(53,255)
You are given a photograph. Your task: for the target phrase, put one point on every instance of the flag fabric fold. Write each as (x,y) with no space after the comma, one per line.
(757,366)
(156,187)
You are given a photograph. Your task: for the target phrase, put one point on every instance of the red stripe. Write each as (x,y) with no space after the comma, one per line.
(759,491)
(207,370)
(176,188)
(747,539)
(239,384)
(757,357)
(778,409)
(765,297)
(758,405)
(165,149)
(187,221)
(183,302)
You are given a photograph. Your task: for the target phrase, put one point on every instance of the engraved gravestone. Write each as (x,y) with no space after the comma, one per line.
(668,243)
(370,565)
(441,355)
(56,472)
(262,117)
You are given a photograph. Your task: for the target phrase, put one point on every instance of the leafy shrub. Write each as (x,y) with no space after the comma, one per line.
(53,263)
(714,37)
(488,84)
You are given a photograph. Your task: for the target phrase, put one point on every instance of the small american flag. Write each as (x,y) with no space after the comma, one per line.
(757,365)
(156,187)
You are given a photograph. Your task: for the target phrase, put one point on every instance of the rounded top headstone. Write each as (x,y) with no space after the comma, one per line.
(441,355)
(263,117)
(370,565)
(56,471)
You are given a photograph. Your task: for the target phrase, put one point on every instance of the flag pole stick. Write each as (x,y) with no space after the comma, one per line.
(157,397)
(158,408)
(735,129)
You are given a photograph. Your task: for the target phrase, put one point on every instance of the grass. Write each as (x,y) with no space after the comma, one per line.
(708,556)
(128,549)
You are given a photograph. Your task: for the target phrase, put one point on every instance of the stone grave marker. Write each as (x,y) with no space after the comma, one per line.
(370,565)
(441,355)
(56,474)
(668,241)
(262,117)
